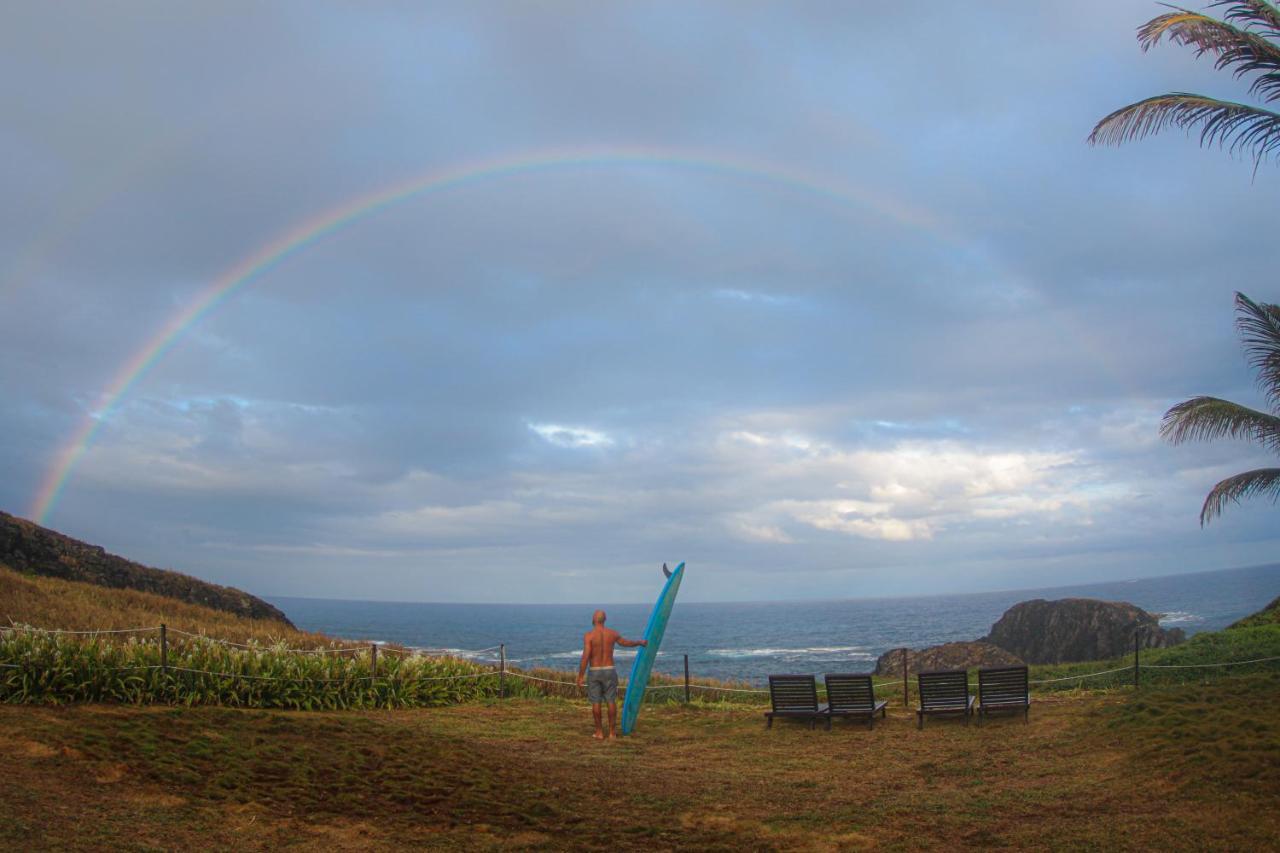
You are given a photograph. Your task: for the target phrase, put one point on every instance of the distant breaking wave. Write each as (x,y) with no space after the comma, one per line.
(815,652)
(1179,617)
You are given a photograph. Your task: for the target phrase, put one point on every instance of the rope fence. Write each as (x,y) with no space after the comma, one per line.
(1081,676)
(1204,665)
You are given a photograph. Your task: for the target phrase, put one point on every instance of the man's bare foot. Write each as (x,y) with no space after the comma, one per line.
(599,735)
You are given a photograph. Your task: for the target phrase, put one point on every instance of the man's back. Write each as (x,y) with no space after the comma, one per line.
(600,642)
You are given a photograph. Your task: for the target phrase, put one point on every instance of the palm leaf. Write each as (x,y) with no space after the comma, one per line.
(1259,326)
(1207,418)
(1250,484)
(1238,48)
(1225,123)
(1255,15)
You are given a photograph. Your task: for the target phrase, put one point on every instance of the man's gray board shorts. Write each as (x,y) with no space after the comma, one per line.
(602,685)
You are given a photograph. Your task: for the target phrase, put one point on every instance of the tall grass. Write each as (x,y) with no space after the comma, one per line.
(45,668)
(57,669)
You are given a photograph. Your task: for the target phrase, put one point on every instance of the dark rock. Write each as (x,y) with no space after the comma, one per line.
(1077,629)
(946,656)
(31,549)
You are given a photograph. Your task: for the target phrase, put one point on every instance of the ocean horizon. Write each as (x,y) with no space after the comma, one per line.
(748,640)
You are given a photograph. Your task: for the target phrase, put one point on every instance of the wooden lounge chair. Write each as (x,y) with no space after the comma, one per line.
(794,696)
(852,696)
(1004,688)
(944,692)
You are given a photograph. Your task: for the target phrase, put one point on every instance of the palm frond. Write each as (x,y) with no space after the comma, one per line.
(1259,326)
(1207,418)
(1235,47)
(1238,127)
(1253,15)
(1250,484)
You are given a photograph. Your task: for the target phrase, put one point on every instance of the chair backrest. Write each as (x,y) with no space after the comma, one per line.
(944,689)
(1003,685)
(850,692)
(793,692)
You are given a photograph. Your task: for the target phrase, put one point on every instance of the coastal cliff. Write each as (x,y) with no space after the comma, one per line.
(31,549)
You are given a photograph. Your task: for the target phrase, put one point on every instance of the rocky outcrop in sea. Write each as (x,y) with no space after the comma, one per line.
(1077,629)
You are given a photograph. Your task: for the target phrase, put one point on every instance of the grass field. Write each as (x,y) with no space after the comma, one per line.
(1180,767)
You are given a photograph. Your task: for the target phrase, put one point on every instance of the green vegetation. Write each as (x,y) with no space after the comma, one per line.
(1243,41)
(1208,418)
(1269,615)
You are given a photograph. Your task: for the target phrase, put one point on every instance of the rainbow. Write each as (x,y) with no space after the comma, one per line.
(310,231)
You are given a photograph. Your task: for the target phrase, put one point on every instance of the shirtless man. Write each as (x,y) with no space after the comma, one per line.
(597,665)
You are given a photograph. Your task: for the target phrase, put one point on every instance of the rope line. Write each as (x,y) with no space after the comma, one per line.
(30,629)
(1086,675)
(1201,665)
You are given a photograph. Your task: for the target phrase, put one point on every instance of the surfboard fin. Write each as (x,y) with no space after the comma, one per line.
(665,570)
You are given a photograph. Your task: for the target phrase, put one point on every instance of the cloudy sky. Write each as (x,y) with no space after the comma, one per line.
(516,301)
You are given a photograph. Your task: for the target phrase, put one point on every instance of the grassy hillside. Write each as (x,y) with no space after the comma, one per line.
(75,606)
(1269,615)
(34,550)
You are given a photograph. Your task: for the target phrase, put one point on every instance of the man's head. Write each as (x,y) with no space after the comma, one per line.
(597,618)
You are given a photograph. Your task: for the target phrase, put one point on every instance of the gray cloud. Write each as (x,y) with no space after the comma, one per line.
(939,362)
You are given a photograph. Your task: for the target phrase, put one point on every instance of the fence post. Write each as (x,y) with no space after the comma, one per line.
(906,699)
(502,670)
(373,660)
(164,650)
(686,679)
(1136,634)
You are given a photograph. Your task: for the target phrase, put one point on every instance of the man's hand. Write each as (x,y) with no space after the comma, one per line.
(579,679)
(642,642)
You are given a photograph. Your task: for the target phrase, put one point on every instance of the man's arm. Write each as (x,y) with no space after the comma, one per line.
(586,657)
(623,641)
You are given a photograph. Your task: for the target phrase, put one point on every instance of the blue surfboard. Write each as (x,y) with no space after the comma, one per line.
(644,660)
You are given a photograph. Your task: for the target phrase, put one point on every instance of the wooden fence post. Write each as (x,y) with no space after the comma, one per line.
(686,679)
(906,699)
(373,659)
(164,650)
(1136,634)
(502,670)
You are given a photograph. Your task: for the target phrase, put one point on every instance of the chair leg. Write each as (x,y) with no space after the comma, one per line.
(920,720)
(768,722)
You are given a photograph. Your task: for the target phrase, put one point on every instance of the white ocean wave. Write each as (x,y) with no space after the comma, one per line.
(1177,617)
(617,653)
(840,652)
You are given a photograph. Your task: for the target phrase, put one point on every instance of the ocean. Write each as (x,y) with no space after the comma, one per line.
(747,641)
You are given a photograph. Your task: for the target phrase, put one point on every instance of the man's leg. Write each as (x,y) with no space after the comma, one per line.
(613,719)
(595,712)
